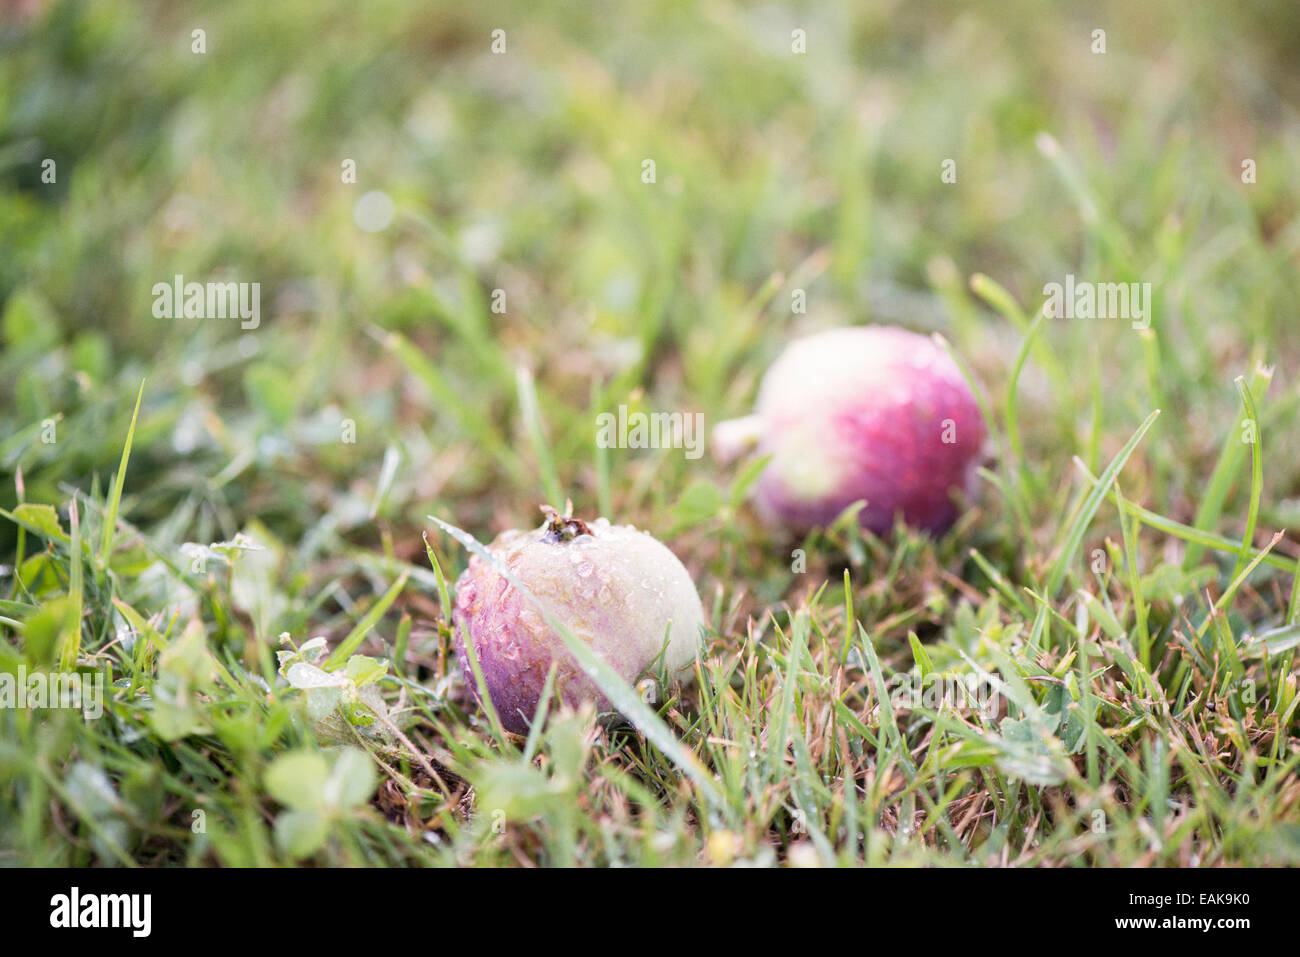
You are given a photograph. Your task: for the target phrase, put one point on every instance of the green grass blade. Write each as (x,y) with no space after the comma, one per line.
(115,499)
(532,416)
(1256,472)
(1215,494)
(72,630)
(354,638)
(1074,540)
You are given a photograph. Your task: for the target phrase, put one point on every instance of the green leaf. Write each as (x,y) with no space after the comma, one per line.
(745,480)
(1101,614)
(172,721)
(43,631)
(511,789)
(270,389)
(300,833)
(697,504)
(1275,641)
(567,740)
(363,670)
(184,667)
(1028,751)
(351,781)
(1059,704)
(444,594)
(188,658)
(43,519)
(297,780)
(919,655)
(90,790)
(321,702)
(30,322)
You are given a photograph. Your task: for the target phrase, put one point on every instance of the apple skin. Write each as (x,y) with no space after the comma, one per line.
(617,589)
(864,412)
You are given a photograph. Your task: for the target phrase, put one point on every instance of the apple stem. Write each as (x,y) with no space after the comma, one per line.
(563,528)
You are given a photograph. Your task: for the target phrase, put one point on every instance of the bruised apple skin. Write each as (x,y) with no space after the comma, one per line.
(866,412)
(615,588)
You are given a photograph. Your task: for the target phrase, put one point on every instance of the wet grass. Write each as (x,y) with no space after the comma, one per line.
(188,504)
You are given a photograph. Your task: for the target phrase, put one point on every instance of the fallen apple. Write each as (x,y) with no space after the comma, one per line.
(866,412)
(616,589)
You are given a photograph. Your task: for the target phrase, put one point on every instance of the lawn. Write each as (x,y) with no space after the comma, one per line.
(477,228)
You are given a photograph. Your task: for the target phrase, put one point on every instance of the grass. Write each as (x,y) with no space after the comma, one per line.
(188,505)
